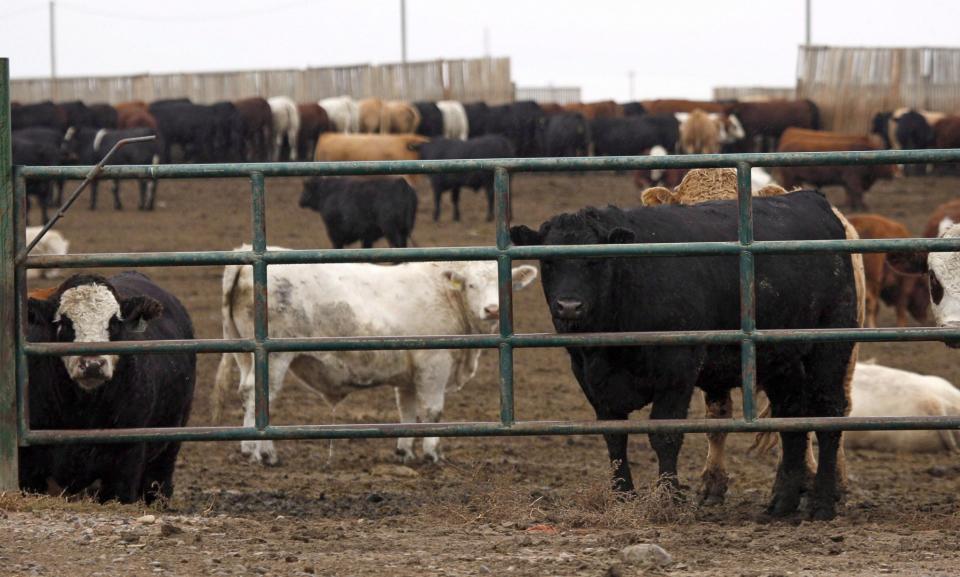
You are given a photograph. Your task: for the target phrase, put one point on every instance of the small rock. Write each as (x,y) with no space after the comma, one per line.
(168,529)
(394,471)
(837,538)
(484,570)
(645,554)
(291,559)
(375,498)
(937,471)
(129,537)
(146,519)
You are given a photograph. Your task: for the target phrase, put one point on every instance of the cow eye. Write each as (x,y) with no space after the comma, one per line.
(936,289)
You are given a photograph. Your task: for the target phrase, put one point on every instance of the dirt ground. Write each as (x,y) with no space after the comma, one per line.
(524,506)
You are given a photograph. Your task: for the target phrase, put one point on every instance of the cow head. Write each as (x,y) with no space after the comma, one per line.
(314,193)
(475,285)
(943,272)
(575,288)
(731,130)
(87,309)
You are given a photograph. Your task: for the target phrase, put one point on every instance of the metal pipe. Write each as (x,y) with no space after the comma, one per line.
(748,308)
(8,295)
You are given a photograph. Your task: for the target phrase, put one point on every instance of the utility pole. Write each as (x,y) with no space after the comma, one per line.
(808,24)
(403,31)
(53,53)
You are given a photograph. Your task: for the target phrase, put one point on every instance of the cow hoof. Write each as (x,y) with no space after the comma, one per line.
(783,505)
(405,456)
(823,512)
(711,500)
(433,458)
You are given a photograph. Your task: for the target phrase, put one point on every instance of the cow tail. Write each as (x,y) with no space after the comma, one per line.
(814,114)
(231,278)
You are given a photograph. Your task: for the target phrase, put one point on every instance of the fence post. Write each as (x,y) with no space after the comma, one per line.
(8,325)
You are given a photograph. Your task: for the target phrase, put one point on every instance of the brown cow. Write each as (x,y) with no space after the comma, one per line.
(942,218)
(256,119)
(398,117)
(370,110)
(336,147)
(766,121)
(594,110)
(135,118)
(552,108)
(946,132)
(883,282)
(313,122)
(700,134)
(672,106)
(856,179)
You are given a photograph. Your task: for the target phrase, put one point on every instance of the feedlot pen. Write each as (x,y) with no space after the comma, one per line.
(14,350)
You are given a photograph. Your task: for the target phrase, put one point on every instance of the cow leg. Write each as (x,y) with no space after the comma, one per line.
(871,305)
(93,195)
(785,401)
(853,184)
(672,405)
(907,286)
(489,191)
(407,405)
(455,197)
(826,370)
(714,477)
(430,384)
(122,480)
(142,184)
(158,476)
(117,205)
(262,452)
(437,197)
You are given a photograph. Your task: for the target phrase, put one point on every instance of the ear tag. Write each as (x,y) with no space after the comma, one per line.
(456,283)
(141,326)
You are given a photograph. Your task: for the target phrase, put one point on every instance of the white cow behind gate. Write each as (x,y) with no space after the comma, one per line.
(286,122)
(331,300)
(343,112)
(52,243)
(455,123)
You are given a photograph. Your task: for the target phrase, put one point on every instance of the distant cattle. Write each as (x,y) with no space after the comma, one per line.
(185,125)
(801,379)
(567,134)
(634,109)
(256,119)
(37,114)
(856,179)
(134,114)
(880,391)
(491,146)
(431,119)
(592,110)
(947,132)
(700,134)
(634,134)
(671,106)
(883,282)
(455,123)
(340,300)
(764,122)
(286,127)
(364,210)
(399,117)
(313,122)
(227,132)
(522,123)
(343,112)
(52,243)
(477,113)
(369,110)
(904,130)
(335,147)
(76,114)
(942,218)
(552,108)
(110,391)
(104,116)
(30,152)
(89,145)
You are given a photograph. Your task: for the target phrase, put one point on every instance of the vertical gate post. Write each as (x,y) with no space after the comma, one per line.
(748,306)
(8,288)
(501,190)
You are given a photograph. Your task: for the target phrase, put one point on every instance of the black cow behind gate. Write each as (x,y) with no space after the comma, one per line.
(38,114)
(702,293)
(187,125)
(431,119)
(567,134)
(105,392)
(522,122)
(227,132)
(477,113)
(363,209)
(88,145)
(634,135)
(33,151)
(491,146)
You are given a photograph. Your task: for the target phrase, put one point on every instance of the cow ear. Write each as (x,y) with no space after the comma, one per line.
(654,196)
(621,236)
(40,312)
(456,280)
(522,276)
(138,311)
(523,235)
(908,262)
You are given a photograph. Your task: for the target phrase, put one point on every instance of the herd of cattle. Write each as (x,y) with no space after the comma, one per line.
(341,128)
(821,290)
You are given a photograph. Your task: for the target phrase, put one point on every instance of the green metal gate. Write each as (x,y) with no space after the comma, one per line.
(14,420)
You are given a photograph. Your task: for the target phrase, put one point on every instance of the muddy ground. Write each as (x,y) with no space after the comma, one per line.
(524,506)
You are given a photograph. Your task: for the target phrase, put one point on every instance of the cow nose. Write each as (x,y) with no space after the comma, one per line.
(491,311)
(568,309)
(91,366)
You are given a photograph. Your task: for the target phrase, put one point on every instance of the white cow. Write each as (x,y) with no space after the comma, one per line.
(455,124)
(943,269)
(286,122)
(52,243)
(344,113)
(330,300)
(880,391)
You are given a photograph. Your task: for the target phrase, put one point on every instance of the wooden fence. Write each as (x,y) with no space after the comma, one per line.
(544,94)
(486,79)
(850,85)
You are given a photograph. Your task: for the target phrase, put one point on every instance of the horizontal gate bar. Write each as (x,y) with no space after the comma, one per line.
(489,429)
(215,258)
(528,340)
(769,159)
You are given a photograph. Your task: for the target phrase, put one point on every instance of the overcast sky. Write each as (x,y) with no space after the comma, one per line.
(677,48)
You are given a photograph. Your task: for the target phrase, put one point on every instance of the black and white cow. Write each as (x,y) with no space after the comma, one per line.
(703,293)
(491,146)
(363,209)
(108,391)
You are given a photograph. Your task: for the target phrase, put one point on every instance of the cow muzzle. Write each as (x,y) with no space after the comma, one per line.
(491,312)
(568,309)
(91,372)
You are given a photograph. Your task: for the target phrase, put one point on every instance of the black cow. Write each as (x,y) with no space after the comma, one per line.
(491,146)
(477,118)
(634,109)
(702,293)
(89,145)
(881,127)
(634,135)
(39,114)
(77,114)
(50,137)
(365,210)
(227,132)
(30,152)
(190,126)
(913,132)
(431,119)
(567,134)
(104,116)
(522,122)
(108,391)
